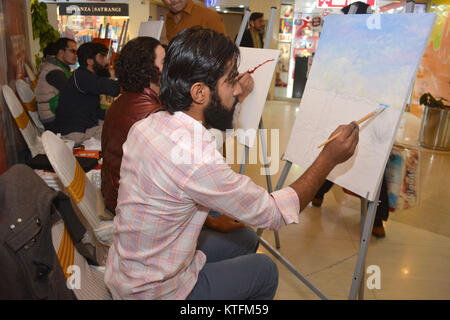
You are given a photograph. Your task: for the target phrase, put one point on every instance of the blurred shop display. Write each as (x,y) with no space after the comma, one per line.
(83,21)
(402,177)
(340,3)
(306,33)
(284,45)
(433,74)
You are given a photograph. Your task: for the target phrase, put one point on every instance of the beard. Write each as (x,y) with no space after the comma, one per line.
(101,71)
(216,115)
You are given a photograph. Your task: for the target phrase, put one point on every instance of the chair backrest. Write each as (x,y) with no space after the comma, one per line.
(72,176)
(29,132)
(30,73)
(92,283)
(28,98)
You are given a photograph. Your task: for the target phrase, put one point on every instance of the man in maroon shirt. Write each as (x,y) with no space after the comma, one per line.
(138,68)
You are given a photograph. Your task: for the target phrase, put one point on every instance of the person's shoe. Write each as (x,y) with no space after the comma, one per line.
(378,232)
(316,202)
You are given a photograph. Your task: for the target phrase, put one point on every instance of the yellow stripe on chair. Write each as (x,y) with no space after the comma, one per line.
(30,106)
(66,252)
(34,83)
(76,187)
(22,120)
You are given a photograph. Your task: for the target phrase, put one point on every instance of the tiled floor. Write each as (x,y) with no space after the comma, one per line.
(414,258)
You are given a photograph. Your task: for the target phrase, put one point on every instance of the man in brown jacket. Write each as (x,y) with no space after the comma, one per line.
(138,68)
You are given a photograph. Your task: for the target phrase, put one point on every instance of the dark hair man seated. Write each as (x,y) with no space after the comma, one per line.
(172,175)
(79,110)
(54,73)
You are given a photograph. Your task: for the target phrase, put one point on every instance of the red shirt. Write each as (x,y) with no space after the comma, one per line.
(129,108)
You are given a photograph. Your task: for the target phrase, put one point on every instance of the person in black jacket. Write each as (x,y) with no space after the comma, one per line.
(79,110)
(253,36)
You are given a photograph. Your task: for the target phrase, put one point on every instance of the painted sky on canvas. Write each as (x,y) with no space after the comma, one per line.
(365,62)
(355,69)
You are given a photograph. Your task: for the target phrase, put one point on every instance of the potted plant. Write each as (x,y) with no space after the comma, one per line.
(435,126)
(41,28)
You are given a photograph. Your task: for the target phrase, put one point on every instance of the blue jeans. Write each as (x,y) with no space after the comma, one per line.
(233,271)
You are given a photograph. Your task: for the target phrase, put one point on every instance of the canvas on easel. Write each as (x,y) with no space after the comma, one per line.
(361,61)
(252,107)
(151,29)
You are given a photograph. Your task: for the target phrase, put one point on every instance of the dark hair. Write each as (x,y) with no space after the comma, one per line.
(194,55)
(361,7)
(256,15)
(135,65)
(50,50)
(61,44)
(89,50)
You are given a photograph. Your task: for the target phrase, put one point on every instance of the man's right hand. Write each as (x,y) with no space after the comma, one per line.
(335,152)
(342,148)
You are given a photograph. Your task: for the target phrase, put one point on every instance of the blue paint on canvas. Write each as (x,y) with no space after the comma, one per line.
(360,54)
(362,61)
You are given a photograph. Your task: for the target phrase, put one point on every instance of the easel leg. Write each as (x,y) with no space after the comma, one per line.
(364,205)
(244,160)
(266,160)
(279,185)
(358,275)
(291,268)
(275,253)
(266,167)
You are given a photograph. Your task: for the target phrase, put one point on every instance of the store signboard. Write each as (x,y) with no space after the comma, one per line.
(340,3)
(93,9)
(285,37)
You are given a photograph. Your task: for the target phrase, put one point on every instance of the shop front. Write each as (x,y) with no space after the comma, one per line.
(301,23)
(300,26)
(83,21)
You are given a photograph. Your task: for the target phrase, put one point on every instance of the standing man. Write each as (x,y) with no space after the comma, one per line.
(254,35)
(172,174)
(185,14)
(79,110)
(54,72)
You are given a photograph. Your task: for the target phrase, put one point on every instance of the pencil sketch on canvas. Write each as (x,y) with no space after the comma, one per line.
(357,67)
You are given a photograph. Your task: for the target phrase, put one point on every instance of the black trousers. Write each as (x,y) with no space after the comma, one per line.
(382,213)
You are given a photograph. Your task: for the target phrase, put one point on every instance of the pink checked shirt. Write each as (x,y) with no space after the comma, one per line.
(171,175)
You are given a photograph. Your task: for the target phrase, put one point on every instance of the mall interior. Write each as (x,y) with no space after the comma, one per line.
(412,260)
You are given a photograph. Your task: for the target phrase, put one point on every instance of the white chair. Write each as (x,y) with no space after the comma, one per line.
(27,129)
(88,199)
(28,98)
(91,281)
(31,75)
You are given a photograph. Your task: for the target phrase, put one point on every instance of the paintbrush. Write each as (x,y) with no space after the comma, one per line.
(374,113)
(250,71)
